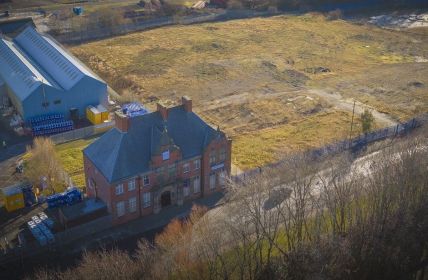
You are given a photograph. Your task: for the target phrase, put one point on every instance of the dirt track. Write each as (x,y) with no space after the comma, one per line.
(347,105)
(334,99)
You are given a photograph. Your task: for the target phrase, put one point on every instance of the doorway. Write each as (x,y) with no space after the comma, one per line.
(166,199)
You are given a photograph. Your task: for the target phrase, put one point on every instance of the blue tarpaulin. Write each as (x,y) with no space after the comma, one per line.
(134,109)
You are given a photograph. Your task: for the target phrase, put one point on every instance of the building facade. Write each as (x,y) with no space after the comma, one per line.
(159,159)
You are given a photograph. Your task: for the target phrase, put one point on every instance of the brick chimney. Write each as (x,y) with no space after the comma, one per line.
(122,121)
(187,103)
(163,110)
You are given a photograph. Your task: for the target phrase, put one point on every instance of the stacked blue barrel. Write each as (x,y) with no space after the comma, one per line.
(50,124)
(69,197)
(40,226)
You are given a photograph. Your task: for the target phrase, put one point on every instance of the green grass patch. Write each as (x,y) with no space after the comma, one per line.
(71,157)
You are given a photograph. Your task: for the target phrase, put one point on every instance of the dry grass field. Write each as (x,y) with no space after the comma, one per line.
(254,77)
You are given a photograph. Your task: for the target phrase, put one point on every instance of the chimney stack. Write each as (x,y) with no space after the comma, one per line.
(122,121)
(163,110)
(187,103)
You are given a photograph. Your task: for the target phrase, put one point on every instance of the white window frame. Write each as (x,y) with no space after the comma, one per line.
(120,211)
(147,203)
(212,180)
(119,189)
(132,204)
(165,155)
(213,159)
(172,167)
(144,180)
(197,184)
(197,163)
(186,167)
(222,178)
(186,188)
(222,154)
(186,191)
(131,185)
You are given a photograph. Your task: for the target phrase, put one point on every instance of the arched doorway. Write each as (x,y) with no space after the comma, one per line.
(165,199)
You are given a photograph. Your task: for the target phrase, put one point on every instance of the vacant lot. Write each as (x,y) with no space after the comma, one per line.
(253,77)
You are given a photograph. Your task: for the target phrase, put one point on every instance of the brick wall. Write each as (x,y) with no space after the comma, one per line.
(213,149)
(100,187)
(175,183)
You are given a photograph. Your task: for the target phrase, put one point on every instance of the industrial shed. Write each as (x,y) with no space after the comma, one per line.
(40,77)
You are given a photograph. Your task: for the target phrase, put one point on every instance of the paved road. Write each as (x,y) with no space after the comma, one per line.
(13,151)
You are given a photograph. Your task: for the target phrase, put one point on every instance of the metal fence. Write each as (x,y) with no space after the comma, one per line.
(354,145)
(81,132)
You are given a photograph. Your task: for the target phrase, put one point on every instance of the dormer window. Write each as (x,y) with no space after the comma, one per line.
(165,155)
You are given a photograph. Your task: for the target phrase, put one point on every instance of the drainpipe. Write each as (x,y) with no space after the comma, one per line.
(139,195)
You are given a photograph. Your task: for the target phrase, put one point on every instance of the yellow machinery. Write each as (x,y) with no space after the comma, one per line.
(97,115)
(13,198)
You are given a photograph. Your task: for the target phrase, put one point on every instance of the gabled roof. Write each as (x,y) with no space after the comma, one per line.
(118,155)
(18,71)
(62,67)
(32,59)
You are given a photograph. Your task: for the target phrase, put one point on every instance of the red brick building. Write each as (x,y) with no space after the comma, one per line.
(155,160)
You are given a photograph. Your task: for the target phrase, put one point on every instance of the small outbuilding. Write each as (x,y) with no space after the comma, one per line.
(82,212)
(17,196)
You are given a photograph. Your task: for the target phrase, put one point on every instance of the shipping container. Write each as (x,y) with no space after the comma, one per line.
(104,113)
(97,115)
(13,198)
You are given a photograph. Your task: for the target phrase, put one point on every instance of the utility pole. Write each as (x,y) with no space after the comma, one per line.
(352,121)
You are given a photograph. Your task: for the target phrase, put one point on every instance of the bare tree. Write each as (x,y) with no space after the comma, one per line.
(336,219)
(42,165)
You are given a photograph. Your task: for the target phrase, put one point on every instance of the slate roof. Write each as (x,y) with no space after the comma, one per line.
(118,155)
